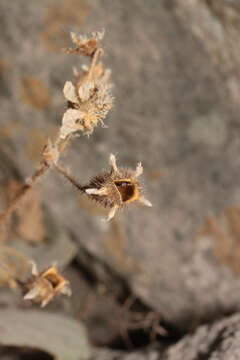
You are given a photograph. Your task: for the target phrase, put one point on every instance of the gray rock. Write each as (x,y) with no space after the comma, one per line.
(219,341)
(165,83)
(216,342)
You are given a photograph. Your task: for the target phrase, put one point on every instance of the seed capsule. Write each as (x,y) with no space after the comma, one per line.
(117,188)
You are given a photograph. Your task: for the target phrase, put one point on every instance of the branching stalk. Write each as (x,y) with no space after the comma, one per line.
(69,178)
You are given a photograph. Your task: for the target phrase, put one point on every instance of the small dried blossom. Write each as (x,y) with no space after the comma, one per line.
(42,287)
(88,104)
(86,45)
(117,188)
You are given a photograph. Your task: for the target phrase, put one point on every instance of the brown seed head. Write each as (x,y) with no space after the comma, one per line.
(42,287)
(116,188)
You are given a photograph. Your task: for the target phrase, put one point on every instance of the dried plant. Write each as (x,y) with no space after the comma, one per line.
(42,287)
(39,288)
(89,99)
(114,189)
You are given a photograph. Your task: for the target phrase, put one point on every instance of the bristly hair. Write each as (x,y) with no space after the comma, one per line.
(113,189)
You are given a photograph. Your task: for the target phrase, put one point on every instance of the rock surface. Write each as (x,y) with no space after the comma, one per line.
(175,67)
(215,342)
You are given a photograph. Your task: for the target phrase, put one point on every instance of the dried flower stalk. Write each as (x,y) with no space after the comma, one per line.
(89,101)
(114,189)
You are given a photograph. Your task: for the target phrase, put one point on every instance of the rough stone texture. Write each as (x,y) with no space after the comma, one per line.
(104,354)
(215,24)
(219,341)
(173,111)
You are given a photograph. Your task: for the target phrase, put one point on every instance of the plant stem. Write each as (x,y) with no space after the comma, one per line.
(96,56)
(69,178)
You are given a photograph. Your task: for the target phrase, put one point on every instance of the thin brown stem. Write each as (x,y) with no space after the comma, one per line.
(69,178)
(22,192)
(96,56)
(60,143)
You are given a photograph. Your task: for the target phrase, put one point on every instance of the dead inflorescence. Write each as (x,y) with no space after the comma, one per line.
(89,99)
(42,287)
(114,189)
(39,287)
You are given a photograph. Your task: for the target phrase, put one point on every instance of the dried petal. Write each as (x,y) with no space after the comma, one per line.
(69,92)
(71,122)
(85,91)
(90,100)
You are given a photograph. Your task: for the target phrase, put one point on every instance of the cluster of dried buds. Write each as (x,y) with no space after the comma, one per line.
(89,98)
(89,101)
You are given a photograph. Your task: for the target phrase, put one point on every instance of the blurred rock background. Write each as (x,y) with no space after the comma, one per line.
(175,69)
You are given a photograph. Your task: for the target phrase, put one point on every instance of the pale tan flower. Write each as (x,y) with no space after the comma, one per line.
(117,188)
(89,99)
(88,104)
(86,45)
(42,287)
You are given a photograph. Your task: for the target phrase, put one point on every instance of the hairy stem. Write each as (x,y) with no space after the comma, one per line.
(69,178)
